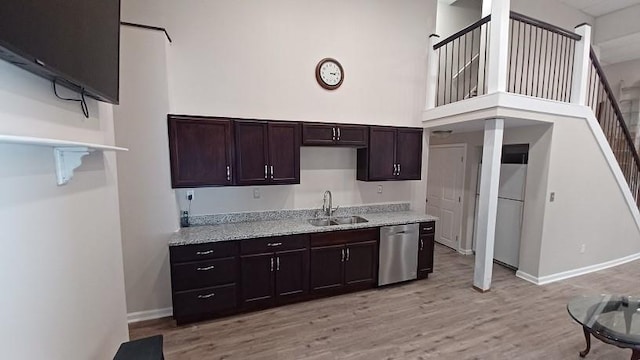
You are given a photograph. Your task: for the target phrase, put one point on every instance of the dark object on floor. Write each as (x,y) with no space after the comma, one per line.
(142,349)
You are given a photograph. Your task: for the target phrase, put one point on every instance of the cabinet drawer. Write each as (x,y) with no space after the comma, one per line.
(203,251)
(200,274)
(204,301)
(344,237)
(428,228)
(273,244)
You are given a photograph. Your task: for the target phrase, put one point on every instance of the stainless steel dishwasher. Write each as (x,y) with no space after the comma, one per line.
(398,253)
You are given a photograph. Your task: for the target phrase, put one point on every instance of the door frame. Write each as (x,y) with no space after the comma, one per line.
(462,189)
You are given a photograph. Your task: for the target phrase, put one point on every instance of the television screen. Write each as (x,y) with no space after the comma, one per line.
(75,42)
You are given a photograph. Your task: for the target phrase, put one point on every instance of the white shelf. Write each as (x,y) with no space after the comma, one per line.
(67,154)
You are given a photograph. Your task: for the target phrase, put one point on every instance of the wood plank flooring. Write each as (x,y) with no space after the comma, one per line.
(438,318)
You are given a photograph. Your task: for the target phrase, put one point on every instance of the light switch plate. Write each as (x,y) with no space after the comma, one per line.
(256,193)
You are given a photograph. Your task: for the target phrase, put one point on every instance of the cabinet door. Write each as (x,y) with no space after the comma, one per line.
(425,256)
(382,153)
(257,280)
(318,134)
(409,154)
(360,264)
(292,275)
(352,135)
(284,153)
(201,151)
(251,152)
(327,268)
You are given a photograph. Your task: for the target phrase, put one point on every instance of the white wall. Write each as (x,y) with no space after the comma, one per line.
(256,59)
(455,17)
(627,72)
(539,139)
(61,259)
(589,211)
(148,208)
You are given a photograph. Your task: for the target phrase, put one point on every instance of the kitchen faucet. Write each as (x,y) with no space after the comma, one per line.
(328,208)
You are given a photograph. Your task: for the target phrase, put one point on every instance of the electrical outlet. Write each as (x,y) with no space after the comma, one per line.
(583,248)
(552,198)
(379,189)
(256,193)
(191,194)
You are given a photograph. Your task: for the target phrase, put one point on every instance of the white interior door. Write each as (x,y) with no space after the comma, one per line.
(444,191)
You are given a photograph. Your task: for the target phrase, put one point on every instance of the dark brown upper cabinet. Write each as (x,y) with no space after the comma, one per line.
(393,154)
(201,151)
(267,152)
(318,134)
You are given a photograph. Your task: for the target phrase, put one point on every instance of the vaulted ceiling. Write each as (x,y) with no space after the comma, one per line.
(597,8)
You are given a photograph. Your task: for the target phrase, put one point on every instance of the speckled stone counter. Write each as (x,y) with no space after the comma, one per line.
(295,225)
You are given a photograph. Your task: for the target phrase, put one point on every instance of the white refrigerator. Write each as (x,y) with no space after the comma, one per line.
(510,210)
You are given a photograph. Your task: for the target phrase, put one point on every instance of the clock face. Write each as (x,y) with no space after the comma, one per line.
(329,74)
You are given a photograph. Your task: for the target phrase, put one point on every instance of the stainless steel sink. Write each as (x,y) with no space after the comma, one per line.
(320,222)
(345,220)
(349,220)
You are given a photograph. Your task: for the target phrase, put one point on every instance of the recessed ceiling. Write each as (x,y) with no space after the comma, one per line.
(597,8)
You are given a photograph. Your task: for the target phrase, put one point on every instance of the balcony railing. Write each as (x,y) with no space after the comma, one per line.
(462,59)
(601,100)
(540,63)
(540,59)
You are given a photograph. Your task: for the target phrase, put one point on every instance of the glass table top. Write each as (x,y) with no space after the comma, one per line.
(614,317)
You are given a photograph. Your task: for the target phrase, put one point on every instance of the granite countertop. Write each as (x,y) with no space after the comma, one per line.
(258,229)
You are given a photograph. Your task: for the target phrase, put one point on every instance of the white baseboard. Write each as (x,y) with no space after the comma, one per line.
(547,279)
(465,251)
(138,316)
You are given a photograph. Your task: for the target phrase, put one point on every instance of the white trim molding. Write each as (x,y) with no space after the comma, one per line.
(465,252)
(548,279)
(138,316)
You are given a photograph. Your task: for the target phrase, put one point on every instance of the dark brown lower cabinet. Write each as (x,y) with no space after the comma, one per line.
(327,268)
(360,263)
(343,261)
(257,280)
(219,279)
(425,249)
(292,280)
(274,278)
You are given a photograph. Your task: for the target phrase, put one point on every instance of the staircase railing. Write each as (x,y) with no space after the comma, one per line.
(540,59)
(462,59)
(605,106)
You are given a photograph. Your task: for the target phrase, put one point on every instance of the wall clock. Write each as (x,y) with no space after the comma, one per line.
(329,73)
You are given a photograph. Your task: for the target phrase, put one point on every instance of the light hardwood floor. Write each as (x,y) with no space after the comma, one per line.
(438,318)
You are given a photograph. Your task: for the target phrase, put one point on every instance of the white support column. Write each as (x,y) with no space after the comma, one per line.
(488,203)
(433,68)
(486,8)
(498,58)
(581,63)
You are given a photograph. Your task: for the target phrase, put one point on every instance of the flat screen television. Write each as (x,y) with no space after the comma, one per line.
(74,42)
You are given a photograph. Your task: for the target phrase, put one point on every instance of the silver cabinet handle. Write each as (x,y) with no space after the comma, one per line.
(399,170)
(338,134)
(395,169)
(347,254)
(204,252)
(271,264)
(342,252)
(271,172)
(207,268)
(274,244)
(266,171)
(228,173)
(421,245)
(206,296)
(334,134)
(428,229)
(278,263)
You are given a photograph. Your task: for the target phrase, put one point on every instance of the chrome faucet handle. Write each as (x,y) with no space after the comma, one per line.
(332,211)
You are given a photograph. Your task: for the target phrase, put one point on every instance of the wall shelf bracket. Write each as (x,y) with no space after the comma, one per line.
(67,160)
